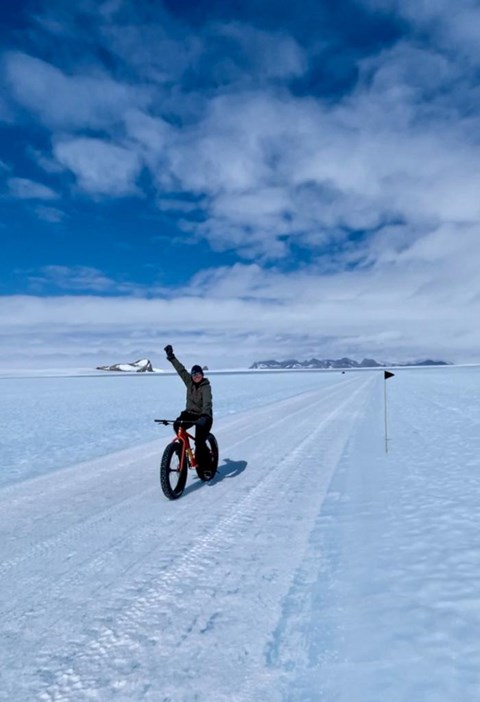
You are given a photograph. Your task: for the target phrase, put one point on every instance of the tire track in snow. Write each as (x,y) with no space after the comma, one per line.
(133,535)
(76,531)
(267,679)
(123,641)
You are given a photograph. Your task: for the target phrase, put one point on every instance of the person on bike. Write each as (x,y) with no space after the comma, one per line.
(199,407)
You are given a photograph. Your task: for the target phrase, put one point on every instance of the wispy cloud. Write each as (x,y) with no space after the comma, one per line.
(77,279)
(50,214)
(26,189)
(81,101)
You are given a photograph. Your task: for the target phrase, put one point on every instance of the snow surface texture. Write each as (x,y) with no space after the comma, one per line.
(50,423)
(313,567)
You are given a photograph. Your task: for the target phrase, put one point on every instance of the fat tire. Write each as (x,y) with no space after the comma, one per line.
(209,475)
(173,477)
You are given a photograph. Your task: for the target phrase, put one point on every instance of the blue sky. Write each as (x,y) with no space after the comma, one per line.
(244,180)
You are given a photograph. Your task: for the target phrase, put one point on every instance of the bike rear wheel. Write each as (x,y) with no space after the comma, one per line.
(207,473)
(173,471)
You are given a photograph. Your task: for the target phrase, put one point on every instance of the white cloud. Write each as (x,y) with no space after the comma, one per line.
(25,189)
(150,137)
(273,168)
(422,303)
(69,101)
(453,28)
(50,214)
(100,167)
(269,168)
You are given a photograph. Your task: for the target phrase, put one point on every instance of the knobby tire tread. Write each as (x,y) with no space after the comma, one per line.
(167,470)
(213,446)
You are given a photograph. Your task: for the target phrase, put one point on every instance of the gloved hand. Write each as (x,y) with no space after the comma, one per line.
(169,351)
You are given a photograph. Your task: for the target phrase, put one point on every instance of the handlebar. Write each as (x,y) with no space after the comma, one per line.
(171,421)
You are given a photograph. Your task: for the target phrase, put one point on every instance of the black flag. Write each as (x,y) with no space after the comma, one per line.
(387,374)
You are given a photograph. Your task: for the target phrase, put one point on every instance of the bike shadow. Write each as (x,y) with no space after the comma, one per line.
(228,469)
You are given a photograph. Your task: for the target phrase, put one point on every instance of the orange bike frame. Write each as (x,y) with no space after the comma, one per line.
(184,437)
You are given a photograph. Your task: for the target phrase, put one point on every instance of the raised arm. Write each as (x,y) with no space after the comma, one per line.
(179,367)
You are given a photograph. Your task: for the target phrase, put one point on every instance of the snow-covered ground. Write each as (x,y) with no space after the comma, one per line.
(314,567)
(52,422)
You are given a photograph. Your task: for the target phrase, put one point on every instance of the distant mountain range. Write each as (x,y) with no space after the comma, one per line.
(339,363)
(145,366)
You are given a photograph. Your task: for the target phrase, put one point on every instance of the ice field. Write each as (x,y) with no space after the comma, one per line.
(315,566)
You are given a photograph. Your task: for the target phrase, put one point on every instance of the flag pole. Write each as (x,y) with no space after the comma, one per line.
(386,375)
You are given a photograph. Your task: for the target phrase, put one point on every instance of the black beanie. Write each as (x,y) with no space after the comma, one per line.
(196,369)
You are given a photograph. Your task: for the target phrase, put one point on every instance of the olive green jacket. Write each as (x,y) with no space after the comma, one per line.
(199,395)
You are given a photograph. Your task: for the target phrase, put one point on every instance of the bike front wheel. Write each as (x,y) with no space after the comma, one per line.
(173,471)
(208,473)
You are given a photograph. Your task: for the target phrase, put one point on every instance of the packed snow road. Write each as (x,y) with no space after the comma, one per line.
(111,592)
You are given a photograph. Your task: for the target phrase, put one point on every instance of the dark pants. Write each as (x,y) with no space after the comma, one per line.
(203,424)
